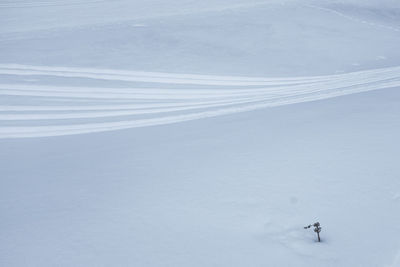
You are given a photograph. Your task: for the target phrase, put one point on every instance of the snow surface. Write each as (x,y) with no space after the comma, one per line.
(199,133)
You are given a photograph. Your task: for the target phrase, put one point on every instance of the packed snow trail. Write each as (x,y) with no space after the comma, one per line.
(56,110)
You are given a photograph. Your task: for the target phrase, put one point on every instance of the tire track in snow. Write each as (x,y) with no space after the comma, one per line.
(159,105)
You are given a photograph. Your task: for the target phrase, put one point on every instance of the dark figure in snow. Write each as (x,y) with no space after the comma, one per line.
(317,229)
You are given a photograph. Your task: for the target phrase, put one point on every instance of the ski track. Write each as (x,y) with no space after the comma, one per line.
(354,19)
(40,110)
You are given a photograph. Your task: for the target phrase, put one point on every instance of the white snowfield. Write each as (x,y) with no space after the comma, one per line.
(184,133)
(165,105)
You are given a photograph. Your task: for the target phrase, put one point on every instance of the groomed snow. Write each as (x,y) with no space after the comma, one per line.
(199,133)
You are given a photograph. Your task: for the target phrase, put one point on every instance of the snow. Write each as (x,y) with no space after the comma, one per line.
(199,133)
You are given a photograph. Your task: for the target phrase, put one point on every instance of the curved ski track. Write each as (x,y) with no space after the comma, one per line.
(39,110)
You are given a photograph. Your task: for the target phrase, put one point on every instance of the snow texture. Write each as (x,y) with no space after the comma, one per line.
(199,133)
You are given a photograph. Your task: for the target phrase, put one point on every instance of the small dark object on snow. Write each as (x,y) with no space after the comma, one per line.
(317,229)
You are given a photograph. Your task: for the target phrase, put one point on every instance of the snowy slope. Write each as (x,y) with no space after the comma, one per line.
(124,108)
(199,133)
